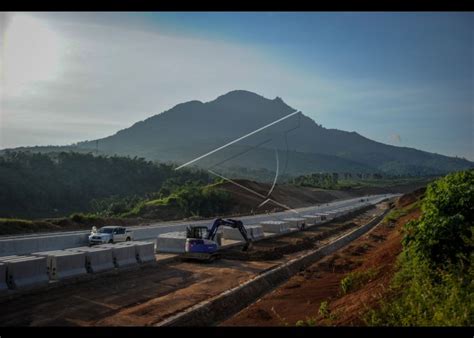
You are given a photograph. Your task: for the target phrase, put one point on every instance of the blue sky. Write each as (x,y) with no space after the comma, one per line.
(399,78)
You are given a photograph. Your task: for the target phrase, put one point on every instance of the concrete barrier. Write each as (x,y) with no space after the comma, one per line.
(310,219)
(123,255)
(62,264)
(7,258)
(172,242)
(145,251)
(219,237)
(97,259)
(323,216)
(23,272)
(316,219)
(255,232)
(275,226)
(3,277)
(147,232)
(20,246)
(297,222)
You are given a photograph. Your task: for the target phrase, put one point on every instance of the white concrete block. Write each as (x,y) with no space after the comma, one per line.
(254,232)
(64,264)
(275,226)
(145,251)
(26,272)
(297,222)
(97,259)
(123,255)
(3,277)
(219,237)
(323,216)
(7,258)
(171,242)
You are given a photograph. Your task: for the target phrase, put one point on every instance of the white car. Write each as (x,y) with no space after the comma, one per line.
(110,234)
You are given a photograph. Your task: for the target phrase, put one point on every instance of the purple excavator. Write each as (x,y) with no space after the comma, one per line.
(201,241)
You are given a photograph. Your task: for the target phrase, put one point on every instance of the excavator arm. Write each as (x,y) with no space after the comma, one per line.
(233,224)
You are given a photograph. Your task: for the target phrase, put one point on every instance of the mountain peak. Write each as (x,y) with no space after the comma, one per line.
(239,94)
(245,97)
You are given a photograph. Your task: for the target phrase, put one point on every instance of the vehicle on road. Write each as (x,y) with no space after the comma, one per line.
(110,234)
(201,242)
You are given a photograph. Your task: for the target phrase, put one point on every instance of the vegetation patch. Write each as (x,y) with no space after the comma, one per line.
(397,213)
(356,279)
(434,284)
(11,226)
(58,184)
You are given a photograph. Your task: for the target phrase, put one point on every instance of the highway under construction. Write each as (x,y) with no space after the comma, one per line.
(167,290)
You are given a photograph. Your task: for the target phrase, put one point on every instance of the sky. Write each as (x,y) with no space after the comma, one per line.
(404,79)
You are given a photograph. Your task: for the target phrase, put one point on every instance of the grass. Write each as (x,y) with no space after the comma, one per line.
(309,321)
(423,297)
(324,310)
(356,279)
(9,226)
(397,213)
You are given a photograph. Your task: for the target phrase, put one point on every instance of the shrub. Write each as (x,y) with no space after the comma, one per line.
(310,321)
(426,297)
(324,309)
(356,279)
(434,285)
(443,234)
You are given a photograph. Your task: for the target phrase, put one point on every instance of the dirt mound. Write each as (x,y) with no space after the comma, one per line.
(298,197)
(410,198)
(289,195)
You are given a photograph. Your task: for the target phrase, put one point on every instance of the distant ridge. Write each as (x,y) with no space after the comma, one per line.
(193,128)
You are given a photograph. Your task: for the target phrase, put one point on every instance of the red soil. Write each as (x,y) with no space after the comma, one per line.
(301,296)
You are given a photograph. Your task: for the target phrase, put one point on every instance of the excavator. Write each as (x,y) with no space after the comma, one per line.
(201,244)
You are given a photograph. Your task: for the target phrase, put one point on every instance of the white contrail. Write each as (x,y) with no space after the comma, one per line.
(237,140)
(276,175)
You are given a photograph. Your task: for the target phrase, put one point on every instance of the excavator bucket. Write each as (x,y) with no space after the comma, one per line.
(247,246)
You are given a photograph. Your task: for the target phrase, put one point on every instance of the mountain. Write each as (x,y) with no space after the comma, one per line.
(295,145)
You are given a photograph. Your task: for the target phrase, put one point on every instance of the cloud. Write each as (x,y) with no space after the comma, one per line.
(124,74)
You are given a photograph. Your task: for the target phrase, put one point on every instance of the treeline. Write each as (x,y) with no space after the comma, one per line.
(317,180)
(58,184)
(434,285)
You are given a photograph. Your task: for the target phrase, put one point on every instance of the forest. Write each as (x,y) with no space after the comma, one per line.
(34,185)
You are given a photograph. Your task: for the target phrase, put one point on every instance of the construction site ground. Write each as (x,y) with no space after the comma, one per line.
(301,296)
(152,293)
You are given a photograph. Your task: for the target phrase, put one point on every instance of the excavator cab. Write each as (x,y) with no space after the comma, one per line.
(198,232)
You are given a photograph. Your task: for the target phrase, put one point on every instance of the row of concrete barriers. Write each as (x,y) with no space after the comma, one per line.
(17,272)
(174,242)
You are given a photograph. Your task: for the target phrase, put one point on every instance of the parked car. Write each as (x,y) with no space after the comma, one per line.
(110,234)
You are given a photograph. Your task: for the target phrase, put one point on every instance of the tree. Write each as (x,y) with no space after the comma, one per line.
(444,233)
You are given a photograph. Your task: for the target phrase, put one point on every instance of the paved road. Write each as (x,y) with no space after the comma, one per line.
(22,244)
